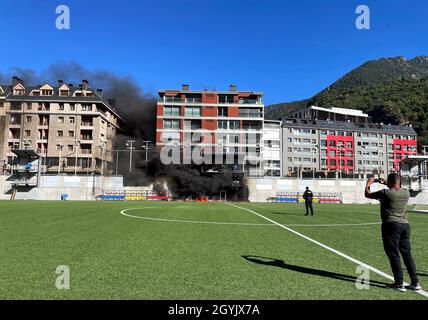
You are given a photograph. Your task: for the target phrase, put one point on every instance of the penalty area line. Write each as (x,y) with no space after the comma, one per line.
(360,263)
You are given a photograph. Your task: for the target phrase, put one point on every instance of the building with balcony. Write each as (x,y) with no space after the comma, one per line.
(321,146)
(215,122)
(272,148)
(69,127)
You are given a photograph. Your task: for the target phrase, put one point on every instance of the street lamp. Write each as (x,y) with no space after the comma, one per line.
(75,163)
(60,146)
(103,147)
(130,147)
(340,149)
(146,147)
(364,162)
(315,165)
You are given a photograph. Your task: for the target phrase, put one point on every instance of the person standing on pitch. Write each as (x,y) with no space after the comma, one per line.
(395,229)
(308,196)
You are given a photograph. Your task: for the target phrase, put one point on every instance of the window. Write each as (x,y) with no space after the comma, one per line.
(171,124)
(87,107)
(222,112)
(349,163)
(192,112)
(47,92)
(332,153)
(70,147)
(71,134)
(60,133)
(72,107)
(61,107)
(323,143)
(332,143)
(60,119)
(349,145)
(28,118)
(72,120)
(29,105)
(222,124)
(333,163)
(172,111)
(234,125)
(27,133)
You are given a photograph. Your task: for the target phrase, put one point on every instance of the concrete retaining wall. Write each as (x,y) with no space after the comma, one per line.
(51,187)
(352,190)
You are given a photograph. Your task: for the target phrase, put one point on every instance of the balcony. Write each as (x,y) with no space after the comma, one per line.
(249,101)
(170,99)
(86,138)
(254,115)
(193,100)
(87,124)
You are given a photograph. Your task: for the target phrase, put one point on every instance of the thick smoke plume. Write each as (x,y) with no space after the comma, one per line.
(138,110)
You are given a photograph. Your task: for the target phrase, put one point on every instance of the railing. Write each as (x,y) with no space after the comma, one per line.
(170,99)
(250,101)
(87,124)
(193,100)
(86,138)
(251,115)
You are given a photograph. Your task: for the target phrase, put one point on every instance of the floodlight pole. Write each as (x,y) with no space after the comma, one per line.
(146,147)
(103,147)
(76,159)
(59,159)
(130,144)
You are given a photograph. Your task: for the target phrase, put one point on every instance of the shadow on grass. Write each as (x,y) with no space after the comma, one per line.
(316,272)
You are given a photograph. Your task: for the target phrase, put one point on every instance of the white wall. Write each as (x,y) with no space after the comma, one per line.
(352,190)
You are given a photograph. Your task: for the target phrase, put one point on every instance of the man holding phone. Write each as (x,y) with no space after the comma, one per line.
(395,229)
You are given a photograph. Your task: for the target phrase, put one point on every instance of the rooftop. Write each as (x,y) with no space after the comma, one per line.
(349,126)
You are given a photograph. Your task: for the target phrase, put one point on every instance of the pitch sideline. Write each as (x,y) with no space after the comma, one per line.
(360,263)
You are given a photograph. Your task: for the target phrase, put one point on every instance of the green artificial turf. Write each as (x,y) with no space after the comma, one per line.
(112,256)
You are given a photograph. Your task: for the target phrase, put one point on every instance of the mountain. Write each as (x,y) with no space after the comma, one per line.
(277,111)
(391,90)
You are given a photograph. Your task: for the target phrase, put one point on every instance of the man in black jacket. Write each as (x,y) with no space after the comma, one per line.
(308,196)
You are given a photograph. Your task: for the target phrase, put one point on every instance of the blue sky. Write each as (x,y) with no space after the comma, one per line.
(288,49)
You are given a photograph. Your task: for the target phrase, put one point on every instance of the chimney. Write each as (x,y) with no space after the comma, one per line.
(233,88)
(15,81)
(85,85)
(60,83)
(185,87)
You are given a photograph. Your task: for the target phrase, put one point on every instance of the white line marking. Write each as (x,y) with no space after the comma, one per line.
(379,272)
(123,212)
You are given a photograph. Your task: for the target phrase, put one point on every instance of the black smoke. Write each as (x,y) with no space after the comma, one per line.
(137,107)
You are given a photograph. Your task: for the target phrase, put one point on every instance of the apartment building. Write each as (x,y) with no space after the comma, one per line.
(231,123)
(272,148)
(71,128)
(344,147)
